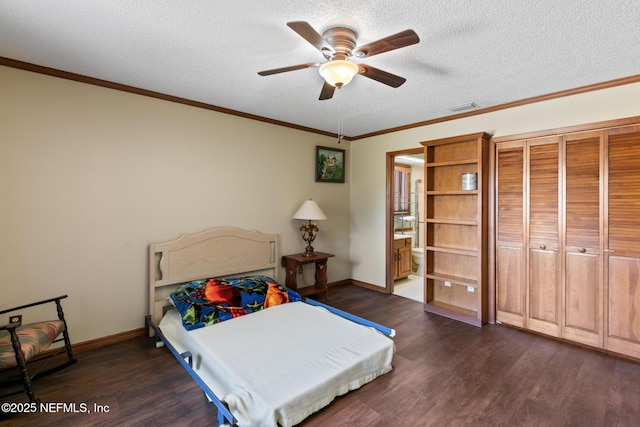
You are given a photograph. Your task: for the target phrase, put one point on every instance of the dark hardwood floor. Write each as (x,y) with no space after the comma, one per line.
(445,373)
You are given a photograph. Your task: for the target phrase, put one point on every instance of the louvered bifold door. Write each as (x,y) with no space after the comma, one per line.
(510,253)
(543,287)
(582,297)
(622,236)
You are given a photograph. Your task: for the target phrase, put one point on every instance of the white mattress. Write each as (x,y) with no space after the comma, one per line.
(280,365)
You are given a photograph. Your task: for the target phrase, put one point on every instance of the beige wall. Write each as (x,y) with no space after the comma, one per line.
(368,156)
(90,176)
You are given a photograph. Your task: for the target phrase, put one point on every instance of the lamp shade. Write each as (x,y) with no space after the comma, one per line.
(338,72)
(309,211)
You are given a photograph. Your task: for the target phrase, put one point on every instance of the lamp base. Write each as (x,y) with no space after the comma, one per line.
(309,233)
(308,251)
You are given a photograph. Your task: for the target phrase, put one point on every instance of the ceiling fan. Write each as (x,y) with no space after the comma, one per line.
(338,45)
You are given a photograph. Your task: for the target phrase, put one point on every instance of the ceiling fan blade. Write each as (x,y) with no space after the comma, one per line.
(307,32)
(396,41)
(290,68)
(327,91)
(381,76)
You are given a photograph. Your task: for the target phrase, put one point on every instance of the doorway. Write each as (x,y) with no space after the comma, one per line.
(405,223)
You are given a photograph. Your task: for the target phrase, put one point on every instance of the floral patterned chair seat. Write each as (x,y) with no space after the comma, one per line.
(20,343)
(34,338)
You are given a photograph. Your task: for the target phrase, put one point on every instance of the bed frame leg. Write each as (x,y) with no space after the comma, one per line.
(188,357)
(152,331)
(221,420)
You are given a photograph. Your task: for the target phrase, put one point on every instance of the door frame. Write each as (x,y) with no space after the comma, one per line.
(389,268)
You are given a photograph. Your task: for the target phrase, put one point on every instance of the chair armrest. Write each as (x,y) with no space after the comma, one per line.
(10,326)
(57,299)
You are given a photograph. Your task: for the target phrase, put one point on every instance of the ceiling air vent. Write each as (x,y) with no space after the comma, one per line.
(463,107)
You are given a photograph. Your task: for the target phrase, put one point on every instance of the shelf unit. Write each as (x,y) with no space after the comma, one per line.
(456,267)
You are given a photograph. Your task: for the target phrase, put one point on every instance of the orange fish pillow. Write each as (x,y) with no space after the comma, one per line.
(209,301)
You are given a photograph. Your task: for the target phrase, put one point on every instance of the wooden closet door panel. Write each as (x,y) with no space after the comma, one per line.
(510,195)
(510,255)
(543,194)
(624,306)
(623,241)
(582,298)
(624,193)
(582,195)
(510,285)
(543,303)
(544,292)
(581,310)
(583,321)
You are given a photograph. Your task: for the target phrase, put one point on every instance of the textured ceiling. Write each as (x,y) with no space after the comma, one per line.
(488,52)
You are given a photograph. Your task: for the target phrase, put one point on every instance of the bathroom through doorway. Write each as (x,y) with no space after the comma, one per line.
(405,224)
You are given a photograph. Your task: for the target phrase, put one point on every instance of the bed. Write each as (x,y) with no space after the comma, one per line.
(267,357)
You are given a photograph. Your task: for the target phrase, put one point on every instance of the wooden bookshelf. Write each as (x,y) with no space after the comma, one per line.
(455,281)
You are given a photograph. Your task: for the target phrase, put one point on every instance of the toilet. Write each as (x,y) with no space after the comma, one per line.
(417,255)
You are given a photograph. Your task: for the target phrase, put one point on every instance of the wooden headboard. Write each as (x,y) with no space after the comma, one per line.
(212,253)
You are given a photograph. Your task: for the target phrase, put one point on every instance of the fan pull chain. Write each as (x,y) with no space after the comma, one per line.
(341,125)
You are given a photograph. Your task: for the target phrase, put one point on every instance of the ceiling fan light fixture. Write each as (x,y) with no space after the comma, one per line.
(338,72)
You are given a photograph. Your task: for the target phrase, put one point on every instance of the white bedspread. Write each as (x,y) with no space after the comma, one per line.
(280,365)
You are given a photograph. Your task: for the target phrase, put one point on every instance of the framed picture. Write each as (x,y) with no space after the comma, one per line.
(330,164)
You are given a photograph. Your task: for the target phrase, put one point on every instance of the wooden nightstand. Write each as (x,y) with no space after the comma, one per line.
(291,263)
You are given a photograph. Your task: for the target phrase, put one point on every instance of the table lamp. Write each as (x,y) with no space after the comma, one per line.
(309,211)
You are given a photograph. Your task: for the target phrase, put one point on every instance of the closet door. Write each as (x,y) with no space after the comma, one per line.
(510,253)
(622,236)
(582,305)
(543,293)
